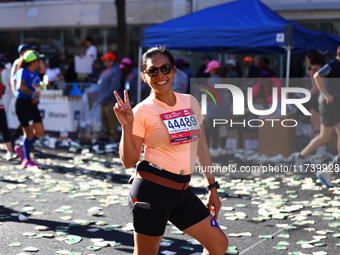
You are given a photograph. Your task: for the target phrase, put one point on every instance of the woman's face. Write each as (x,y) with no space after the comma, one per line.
(160,83)
(212,72)
(35,64)
(88,43)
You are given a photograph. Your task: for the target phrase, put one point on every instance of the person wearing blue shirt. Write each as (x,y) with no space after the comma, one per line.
(329,105)
(26,105)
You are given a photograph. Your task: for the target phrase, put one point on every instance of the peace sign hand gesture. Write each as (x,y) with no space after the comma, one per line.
(123,110)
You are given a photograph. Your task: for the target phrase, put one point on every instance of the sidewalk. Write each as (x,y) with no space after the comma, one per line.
(296,214)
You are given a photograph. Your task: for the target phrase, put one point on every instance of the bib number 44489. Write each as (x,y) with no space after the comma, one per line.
(182,126)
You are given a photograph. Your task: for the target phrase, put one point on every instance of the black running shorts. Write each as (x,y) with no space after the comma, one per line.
(27,113)
(153,205)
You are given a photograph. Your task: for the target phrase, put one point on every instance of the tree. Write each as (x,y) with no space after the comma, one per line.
(122,29)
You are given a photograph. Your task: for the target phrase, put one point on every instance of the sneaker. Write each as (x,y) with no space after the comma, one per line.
(222,151)
(10,156)
(321,151)
(18,149)
(28,163)
(336,160)
(325,178)
(213,152)
(299,163)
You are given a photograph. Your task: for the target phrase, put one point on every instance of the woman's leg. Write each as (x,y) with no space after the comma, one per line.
(38,130)
(315,121)
(149,222)
(211,237)
(8,146)
(324,136)
(27,141)
(337,130)
(146,245)
(5,131)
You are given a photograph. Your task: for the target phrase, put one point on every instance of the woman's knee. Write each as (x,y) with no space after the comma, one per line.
(39,133)
(146,245)
(218,248)
(324,137)
(28,132)
(38,130)
(223,246)
(147,251)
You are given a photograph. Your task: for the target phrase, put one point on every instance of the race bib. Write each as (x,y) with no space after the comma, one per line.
(37,89)
(182,126)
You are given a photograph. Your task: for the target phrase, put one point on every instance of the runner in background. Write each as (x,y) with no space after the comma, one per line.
(329,105)
(26,105)
(41,70)
(10,155)
(21,51)
(314,59)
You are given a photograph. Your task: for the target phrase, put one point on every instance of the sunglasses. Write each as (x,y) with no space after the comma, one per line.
(153,71)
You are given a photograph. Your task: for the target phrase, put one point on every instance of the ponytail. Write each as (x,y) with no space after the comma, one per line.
(22,64)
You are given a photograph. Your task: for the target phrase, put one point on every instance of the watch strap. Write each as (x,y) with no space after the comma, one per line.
(213,185)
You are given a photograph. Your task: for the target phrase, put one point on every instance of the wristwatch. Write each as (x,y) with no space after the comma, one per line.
(213,185)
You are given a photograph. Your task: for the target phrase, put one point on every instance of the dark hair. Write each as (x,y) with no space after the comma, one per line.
(265,60)
(23,64)
(70,56)
(207,57)
(314,57)
(52,63)
(154,51)
(89,39)
(221,72)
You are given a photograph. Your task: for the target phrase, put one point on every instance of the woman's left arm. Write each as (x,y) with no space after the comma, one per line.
(206,162)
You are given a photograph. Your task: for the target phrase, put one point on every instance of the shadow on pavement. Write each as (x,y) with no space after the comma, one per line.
(8,215)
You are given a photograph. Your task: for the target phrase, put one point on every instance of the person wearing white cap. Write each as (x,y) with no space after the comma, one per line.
(231,69)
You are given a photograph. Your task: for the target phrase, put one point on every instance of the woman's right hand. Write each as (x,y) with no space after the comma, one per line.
(35,101)
(123,110)
(329,98)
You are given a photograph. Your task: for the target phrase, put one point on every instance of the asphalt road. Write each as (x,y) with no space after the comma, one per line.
(59,195)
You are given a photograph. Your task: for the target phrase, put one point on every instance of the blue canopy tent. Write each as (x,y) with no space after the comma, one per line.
(243,26)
